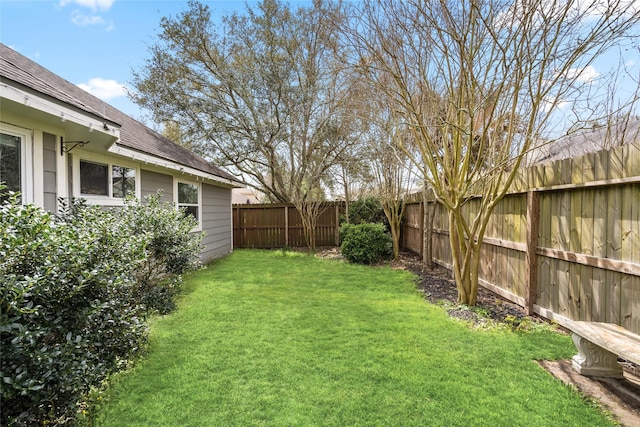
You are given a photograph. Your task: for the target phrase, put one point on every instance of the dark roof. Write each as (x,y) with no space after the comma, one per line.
(598,138)
(133,134)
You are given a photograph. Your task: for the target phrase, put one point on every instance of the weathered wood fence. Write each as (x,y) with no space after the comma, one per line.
(279,225)
(565,243)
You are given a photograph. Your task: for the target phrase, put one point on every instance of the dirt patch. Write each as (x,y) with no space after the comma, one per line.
(620,397)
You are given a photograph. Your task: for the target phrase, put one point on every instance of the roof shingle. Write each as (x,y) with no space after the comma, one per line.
(133,134)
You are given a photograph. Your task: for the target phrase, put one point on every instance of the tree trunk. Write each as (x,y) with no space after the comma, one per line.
(395,237)
(347,200)
(427,241)
(394,210)
(463,259)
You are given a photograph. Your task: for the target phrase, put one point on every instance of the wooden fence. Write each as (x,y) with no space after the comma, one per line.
(280,225)
(565,243)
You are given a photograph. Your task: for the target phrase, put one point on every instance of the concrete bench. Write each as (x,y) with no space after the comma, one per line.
(599,346)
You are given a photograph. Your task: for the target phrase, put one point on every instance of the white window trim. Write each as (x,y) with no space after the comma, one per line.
(198,227)
(107,200)
(27,169)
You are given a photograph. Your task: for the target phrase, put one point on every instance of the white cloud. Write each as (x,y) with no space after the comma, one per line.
(601,7)
(83,20)
(92,16)
(552,103)
(104,89)
(94,5)
(584,75)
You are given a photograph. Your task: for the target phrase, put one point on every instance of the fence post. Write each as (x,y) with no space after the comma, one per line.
(422,225)
(337,233)
(286,225)
(531,265)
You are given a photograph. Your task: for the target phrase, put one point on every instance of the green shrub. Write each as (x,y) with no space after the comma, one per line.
(74,293)
(172,249)
(367,210)
(67,318)
(365,243)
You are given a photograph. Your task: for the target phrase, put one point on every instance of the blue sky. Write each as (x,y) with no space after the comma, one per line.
(92,43)
(96,43)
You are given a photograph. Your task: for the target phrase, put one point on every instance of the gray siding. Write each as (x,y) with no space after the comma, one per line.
(49,173)
(216,222)
(151,182)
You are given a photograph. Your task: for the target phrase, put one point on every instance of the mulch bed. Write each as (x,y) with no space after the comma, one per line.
(439,287)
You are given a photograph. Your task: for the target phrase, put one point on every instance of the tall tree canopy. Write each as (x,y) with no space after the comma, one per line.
(261,93)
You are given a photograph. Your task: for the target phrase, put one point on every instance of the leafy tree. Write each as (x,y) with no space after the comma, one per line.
(475,82)
(263,93)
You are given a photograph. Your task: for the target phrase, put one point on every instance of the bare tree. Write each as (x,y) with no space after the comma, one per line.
(476,82)
(393,173)
(262,94)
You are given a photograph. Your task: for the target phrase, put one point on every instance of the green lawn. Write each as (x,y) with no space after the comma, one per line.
(266,338)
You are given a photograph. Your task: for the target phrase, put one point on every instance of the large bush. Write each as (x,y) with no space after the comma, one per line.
(171,249)
(365,243)
(72,298)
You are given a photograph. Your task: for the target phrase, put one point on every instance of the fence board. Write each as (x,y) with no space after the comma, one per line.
(575,221)
(631,156)
(627,287)
(634,322)
(562,283)
(554,299)
(544,279)
(278,225)
(598,298)
(629,214)
(614,227)
(612,296)
(634,239)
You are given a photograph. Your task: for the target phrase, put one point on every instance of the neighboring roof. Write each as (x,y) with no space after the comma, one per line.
(244,196)
(133,134)
(596,139)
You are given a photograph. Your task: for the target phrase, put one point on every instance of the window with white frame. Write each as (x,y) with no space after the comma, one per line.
(106,179)
(14,150)
(189,198)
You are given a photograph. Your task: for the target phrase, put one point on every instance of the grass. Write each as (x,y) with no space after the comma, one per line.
(267,338)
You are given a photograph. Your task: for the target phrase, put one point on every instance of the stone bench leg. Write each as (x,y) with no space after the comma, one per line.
(594,361)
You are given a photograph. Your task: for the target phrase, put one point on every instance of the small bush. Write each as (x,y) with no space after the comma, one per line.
(366,243)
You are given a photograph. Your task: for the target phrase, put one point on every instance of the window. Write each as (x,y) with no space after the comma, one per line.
(101,179)
(16,162)
(94,178)
(11,162)
(123,181)
(188,199)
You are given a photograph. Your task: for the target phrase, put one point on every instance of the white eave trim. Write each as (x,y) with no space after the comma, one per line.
(185,171)
(33,100)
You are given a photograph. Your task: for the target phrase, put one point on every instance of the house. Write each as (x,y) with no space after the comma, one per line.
(596,138)
(246,196)
(59,141)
